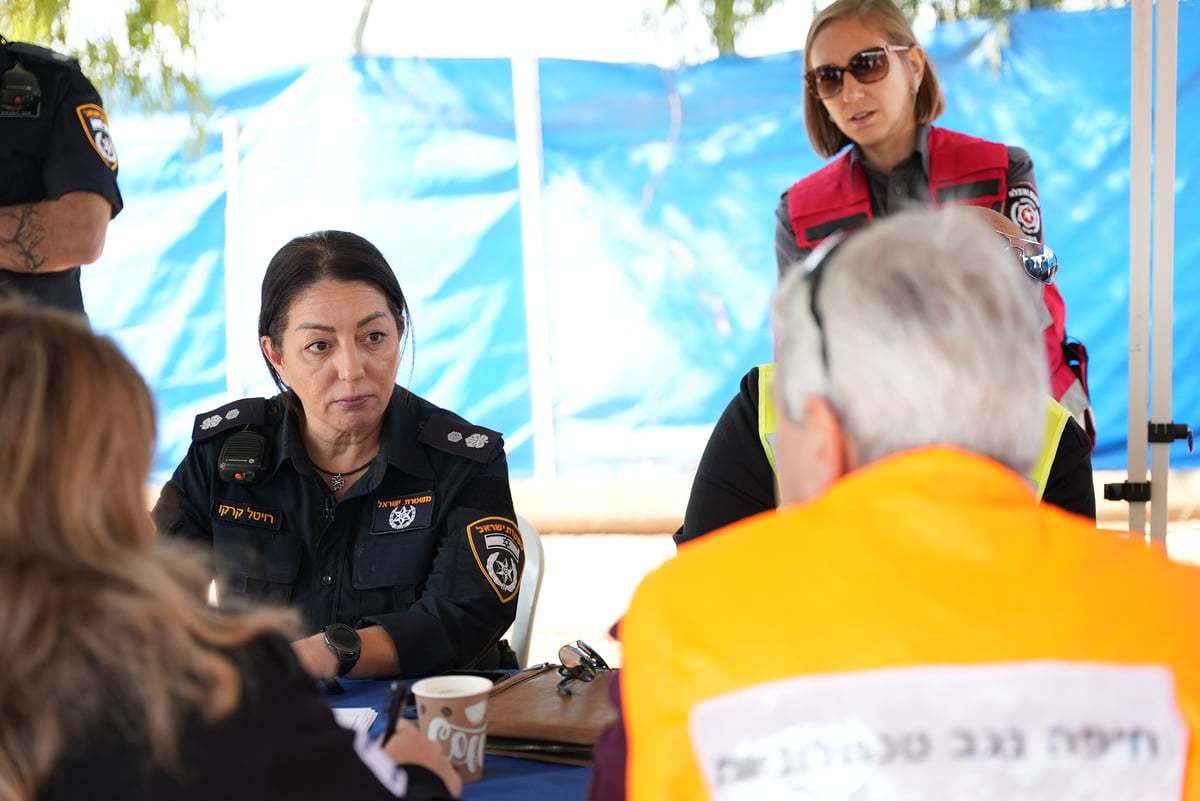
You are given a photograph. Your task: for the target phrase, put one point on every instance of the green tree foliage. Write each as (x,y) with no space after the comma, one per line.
(149,61)
(962,9)
(728,18)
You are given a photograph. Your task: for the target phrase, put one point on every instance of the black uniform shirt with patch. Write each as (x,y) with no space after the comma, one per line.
(62,146)
(424,543)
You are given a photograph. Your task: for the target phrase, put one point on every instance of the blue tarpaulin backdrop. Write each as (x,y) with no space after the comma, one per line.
(658,202)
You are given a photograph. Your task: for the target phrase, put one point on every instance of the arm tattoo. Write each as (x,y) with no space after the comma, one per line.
(29,234)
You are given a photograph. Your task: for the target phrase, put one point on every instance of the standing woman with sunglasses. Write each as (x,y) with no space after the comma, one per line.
(869,84)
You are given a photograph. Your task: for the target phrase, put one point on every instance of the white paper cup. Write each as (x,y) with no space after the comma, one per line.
(452,711)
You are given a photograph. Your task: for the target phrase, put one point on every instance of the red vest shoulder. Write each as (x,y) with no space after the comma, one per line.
(963,169)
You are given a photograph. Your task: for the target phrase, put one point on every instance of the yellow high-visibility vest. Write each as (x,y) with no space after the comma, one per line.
(1057,417)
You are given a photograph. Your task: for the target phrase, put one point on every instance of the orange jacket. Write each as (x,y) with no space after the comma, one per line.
(932,557)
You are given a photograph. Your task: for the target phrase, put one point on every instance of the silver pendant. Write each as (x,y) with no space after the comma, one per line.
(337,481)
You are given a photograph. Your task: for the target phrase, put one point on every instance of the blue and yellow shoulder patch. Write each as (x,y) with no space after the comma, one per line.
(244,412)
(443,432)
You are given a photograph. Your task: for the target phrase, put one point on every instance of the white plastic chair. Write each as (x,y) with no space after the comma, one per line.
(520,635)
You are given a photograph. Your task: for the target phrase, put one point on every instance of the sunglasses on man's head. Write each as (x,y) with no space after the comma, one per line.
(814,269)
(868,66)
(1039,262)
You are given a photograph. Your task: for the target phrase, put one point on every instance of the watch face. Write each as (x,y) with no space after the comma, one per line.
(343,637)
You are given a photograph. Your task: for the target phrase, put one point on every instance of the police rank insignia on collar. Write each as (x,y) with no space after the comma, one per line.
(462,439)
(498,550)
(245,412)
(95,125)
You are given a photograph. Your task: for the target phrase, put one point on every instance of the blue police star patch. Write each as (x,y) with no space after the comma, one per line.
(498,550)
(95,125)
(402,514)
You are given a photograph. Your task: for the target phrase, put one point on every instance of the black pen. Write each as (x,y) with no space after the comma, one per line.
(395,703)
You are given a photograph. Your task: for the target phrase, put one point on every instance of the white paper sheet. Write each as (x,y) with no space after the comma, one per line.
(356,718)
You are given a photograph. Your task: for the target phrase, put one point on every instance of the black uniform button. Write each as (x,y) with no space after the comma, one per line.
(326,581)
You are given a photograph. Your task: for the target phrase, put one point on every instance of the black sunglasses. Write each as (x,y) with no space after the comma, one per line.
(814,268)
(580,662)
(868,66)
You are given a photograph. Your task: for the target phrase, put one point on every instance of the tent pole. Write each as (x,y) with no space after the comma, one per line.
(1166,45)
(1141,89)
(235,312)
(527,121)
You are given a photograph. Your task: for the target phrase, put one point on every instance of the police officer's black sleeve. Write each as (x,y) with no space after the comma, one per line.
(734,480)
(787,252)
(1069,485)
(81,156)
(469,598)
(182,507)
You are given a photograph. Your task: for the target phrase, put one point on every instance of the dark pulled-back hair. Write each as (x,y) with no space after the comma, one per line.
(305,260)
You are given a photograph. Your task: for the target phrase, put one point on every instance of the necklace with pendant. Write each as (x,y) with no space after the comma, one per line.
(338,480)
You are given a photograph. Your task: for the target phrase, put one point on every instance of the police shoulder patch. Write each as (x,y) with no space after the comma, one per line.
(500,554)
(445,433)
(244,412)
(95,127)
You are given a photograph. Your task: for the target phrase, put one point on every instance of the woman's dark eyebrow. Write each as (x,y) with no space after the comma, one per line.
(330,328)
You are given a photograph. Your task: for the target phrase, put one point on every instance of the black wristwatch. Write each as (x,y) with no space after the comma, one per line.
(346,645)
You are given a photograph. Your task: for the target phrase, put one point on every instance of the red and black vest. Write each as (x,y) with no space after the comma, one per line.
(963,170)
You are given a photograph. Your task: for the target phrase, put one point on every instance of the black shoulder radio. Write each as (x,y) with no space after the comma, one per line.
(242,457)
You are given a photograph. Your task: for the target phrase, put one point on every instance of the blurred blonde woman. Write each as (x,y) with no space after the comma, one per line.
(118,681)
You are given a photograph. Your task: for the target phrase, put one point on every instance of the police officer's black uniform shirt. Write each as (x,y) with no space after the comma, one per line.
(907,185)
(424,543)
(59,146)
(734,480)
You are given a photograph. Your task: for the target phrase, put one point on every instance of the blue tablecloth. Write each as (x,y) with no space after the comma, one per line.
(504,778)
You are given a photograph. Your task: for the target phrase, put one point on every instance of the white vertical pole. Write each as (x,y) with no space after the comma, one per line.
(1166,41)
(527,119)
(1142,86)
(235,336)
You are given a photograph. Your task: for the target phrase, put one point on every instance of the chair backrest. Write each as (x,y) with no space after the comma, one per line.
(521,632)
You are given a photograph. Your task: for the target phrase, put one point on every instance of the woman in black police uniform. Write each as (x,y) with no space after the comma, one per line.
(119,683)
(387,521)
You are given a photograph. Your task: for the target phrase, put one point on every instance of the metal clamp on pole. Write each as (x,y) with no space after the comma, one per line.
(1129,491)
(1170,432)
(1139,491)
